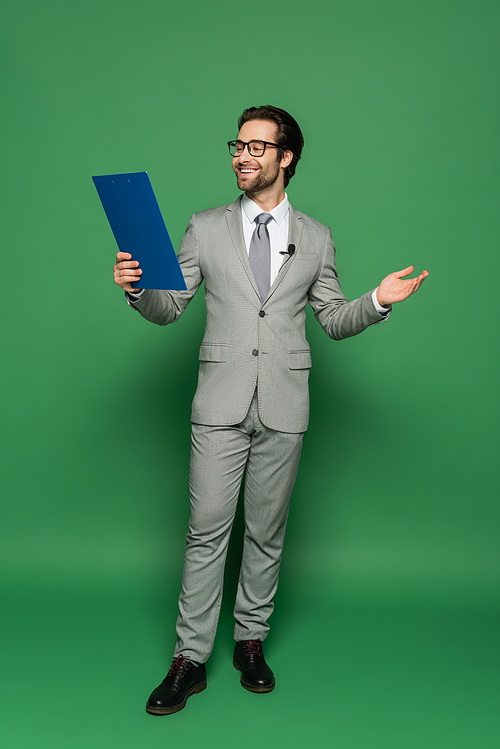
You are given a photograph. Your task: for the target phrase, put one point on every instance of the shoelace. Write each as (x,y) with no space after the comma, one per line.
(179,666)
(252,646)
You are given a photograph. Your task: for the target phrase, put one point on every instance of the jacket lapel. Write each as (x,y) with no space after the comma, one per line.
(233,217)
(295,226)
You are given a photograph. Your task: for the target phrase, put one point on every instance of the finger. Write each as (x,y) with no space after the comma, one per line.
(126,276)
(417,282)
(421,279)
(127,264)
(404,272)
(123,256)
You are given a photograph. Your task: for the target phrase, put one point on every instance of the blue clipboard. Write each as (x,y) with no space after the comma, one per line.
(138,226)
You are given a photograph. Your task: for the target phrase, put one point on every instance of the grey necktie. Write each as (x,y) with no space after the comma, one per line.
(260,254)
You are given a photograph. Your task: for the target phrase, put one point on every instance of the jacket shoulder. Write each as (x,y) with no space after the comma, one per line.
(314,230)
(311,222)
(211,214)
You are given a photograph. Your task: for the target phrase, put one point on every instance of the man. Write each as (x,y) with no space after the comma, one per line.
(261,261)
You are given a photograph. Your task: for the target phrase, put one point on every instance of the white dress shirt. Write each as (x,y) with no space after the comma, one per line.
(277,228)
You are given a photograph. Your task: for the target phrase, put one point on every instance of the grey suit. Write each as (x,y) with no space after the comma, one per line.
(251,405)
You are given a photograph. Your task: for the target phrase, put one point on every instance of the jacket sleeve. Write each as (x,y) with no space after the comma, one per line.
(163,307)
(339,317)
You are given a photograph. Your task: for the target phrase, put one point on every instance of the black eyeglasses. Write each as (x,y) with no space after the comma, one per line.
(255,147)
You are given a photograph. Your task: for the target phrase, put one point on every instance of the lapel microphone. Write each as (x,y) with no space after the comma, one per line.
(290,251)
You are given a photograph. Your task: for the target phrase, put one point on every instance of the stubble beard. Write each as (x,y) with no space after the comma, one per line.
(261,181)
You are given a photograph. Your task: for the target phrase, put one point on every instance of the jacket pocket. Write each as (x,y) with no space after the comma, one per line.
(299,359)
(216,352)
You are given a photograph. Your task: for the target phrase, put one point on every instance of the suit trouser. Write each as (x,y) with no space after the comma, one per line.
(219,456)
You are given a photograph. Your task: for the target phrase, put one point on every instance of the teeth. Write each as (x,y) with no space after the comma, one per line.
(247,171)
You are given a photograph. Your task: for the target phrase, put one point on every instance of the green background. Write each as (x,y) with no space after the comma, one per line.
(386,627)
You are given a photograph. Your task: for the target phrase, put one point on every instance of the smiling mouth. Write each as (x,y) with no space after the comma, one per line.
(247,171)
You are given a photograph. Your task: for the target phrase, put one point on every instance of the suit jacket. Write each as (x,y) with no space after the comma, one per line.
(247,342)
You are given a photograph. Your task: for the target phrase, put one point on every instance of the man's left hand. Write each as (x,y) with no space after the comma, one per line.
(396,288)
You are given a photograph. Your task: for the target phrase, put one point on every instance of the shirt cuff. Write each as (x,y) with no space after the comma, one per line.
(381,310)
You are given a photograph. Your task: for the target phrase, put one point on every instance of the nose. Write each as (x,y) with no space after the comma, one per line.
(245,154)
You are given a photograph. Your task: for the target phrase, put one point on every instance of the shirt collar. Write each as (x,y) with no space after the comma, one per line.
(252,210)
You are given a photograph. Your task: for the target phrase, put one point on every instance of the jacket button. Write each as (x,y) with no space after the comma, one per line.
(262,313)
(255,352)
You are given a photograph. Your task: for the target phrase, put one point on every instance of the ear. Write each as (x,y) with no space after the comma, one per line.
(287,159)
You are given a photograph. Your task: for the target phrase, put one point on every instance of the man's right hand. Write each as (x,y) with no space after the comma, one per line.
(126,272)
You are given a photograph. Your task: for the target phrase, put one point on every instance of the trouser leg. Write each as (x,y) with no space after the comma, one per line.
(219,456)
(271,472)
(218,459)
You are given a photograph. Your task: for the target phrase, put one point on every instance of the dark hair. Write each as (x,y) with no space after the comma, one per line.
(289,136)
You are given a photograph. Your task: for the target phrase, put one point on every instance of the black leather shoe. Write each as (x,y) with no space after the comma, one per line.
(183,680)
(256,676)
